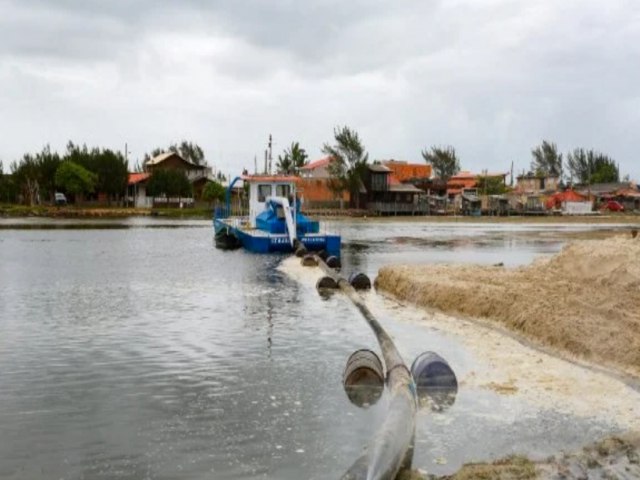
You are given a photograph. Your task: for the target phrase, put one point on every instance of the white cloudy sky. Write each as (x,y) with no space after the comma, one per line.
(490,77)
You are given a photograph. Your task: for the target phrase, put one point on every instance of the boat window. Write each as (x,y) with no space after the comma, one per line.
(283,190)
(264,191)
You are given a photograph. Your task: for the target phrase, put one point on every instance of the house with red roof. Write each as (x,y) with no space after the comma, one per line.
(137,190)
(315,189)
(316,169)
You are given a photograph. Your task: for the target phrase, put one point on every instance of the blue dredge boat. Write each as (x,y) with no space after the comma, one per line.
(274,224)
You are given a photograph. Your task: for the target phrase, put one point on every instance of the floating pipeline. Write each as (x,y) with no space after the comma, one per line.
(363,378)
(391,448)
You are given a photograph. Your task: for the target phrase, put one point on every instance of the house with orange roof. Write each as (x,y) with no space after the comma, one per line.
(466,181)
(460,182)
(314,186)
(404,171)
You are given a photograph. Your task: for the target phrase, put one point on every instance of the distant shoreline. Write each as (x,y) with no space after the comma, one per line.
(21,211)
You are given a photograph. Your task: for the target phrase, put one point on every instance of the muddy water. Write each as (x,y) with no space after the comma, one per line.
(134,349)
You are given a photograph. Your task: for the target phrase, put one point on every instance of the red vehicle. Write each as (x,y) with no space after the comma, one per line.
(612,206)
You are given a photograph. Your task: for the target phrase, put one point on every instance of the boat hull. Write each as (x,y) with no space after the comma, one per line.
(258,241)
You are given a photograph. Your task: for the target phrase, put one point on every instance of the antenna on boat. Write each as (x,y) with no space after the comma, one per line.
(255,164)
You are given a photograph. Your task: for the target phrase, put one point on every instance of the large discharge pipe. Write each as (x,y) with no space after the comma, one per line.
(391,448)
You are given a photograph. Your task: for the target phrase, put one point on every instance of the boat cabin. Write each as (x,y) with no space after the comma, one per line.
(261,187)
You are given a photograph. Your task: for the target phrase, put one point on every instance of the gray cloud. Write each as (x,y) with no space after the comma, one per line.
(492,78)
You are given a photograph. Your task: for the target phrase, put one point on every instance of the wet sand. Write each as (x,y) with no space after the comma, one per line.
(520,373)
(611,458)
(584,302)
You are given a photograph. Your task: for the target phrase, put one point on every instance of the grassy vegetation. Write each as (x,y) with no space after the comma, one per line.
(72,211)
(206,212)
(514,467)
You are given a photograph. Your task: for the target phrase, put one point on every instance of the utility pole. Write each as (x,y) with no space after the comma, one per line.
(512,173)
(126,156)
(589,181)
(270,151)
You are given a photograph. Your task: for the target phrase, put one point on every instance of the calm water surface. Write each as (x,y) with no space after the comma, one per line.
(134,349)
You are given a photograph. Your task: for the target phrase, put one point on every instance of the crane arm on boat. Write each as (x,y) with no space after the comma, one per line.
(289,216)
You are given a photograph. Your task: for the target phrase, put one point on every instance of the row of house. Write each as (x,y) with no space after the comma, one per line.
(400,187)
(395,187)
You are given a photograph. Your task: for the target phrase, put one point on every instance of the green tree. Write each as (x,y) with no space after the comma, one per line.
(26,176)
(8,189)
(79,155)
(491,185)
(213,192)
(284,165)
(349,162)
(444,161)
(169,183)
(34,175)
(110,167)
(112,172)
(190,151)
(292,160)
(47,164)
(546,159)
(589,166)
(75,179)
(154,153)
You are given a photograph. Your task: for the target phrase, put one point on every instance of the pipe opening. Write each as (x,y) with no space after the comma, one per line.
(333,262)
(309,260)
(363,378)
(359,281)
(436,382)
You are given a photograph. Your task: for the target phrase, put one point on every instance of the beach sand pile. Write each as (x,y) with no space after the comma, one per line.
(584,301)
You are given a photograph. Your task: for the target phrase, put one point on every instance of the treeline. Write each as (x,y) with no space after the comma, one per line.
(82,173)
(79,172)
(582,166)
(190,151)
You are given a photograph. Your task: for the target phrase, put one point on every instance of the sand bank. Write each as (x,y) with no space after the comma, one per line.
(502,364)
(585,301)
(615,457)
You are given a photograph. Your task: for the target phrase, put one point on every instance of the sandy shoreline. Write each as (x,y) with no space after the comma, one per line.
(515,371)
(519,373)
(583,302)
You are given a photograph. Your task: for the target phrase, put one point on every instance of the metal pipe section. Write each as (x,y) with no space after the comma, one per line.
(391,449)
(227,195)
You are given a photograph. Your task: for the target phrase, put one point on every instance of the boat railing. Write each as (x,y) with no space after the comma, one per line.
(221,212)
